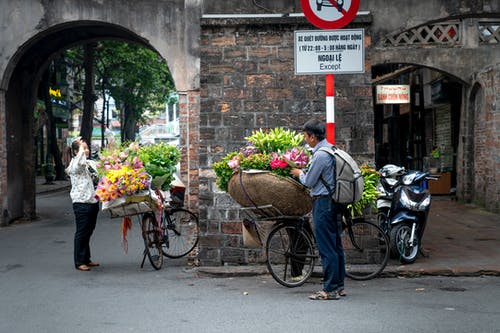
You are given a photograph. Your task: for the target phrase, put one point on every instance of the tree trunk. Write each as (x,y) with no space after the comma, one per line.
(87,124)
(129,124)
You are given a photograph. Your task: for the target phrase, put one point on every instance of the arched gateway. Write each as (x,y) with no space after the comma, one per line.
(232,63)
(35,32)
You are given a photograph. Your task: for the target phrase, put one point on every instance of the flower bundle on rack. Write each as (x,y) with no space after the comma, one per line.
(122,172)
(276,150)
(128,169)
(122,182)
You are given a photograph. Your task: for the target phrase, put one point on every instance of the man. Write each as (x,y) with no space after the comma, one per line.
(326,225)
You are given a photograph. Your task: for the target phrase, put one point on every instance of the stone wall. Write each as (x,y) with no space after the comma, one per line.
(443,127)
(486,147)
(247,82)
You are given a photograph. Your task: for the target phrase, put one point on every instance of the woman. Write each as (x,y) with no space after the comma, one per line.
(85,205)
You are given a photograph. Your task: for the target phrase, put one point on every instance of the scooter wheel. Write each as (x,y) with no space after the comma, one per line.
(382,222)
(400,243)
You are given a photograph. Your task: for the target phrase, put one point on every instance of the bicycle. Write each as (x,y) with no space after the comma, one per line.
(291,251)
(174,235)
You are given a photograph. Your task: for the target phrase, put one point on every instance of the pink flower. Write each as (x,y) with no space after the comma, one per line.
(137,163)
(234,162)
(298,157)
(278,164)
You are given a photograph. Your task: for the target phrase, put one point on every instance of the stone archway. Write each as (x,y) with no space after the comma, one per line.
(23,73)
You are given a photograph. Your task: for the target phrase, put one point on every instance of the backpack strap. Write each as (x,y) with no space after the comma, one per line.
(330,151)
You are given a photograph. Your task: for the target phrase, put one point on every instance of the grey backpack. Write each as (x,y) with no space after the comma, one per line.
(349,183)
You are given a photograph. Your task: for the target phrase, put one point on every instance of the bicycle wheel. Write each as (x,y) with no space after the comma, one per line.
(152,240)
(290,255)
(366,249)
(181,231)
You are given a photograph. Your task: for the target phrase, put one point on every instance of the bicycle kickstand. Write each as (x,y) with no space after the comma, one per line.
(144,258)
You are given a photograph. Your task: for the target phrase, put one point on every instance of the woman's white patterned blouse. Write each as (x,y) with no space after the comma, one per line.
(82,187)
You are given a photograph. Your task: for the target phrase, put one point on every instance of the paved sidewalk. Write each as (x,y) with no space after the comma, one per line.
(57,185)
(460,240)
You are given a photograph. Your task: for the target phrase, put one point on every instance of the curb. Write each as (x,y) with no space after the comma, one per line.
(438,272)
(231,271)
(390,271)
(51,188)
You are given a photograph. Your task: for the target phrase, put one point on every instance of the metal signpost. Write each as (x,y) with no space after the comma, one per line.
(329,52)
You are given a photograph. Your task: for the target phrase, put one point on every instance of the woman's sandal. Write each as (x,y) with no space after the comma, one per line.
(342,293)
(324,296)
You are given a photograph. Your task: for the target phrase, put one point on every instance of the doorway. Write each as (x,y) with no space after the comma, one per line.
(421,133)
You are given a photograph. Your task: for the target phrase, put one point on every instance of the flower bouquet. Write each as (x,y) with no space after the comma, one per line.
(127,173)
(256,174)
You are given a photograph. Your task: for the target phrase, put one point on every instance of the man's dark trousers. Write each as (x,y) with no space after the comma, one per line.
(328,237)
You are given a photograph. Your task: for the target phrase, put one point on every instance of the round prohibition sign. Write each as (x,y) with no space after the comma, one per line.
(330,14)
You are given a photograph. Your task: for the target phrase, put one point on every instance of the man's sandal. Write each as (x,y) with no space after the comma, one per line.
(93,264)
(324,296)
(84,268)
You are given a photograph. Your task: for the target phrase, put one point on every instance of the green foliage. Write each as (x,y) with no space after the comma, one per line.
(160,161)
(369,197)
(223,171)
(255,161)
(275,140)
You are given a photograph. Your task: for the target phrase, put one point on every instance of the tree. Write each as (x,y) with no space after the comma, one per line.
(87,125)
(136,77)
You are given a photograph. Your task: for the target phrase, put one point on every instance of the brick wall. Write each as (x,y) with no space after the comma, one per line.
(247,82)
(486,146)
(443,137)
(189,114)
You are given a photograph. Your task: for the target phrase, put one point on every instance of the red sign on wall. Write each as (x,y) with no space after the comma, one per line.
(330,14)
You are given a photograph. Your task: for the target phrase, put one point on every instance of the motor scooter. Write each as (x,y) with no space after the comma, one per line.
(388,181)
(407,217)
